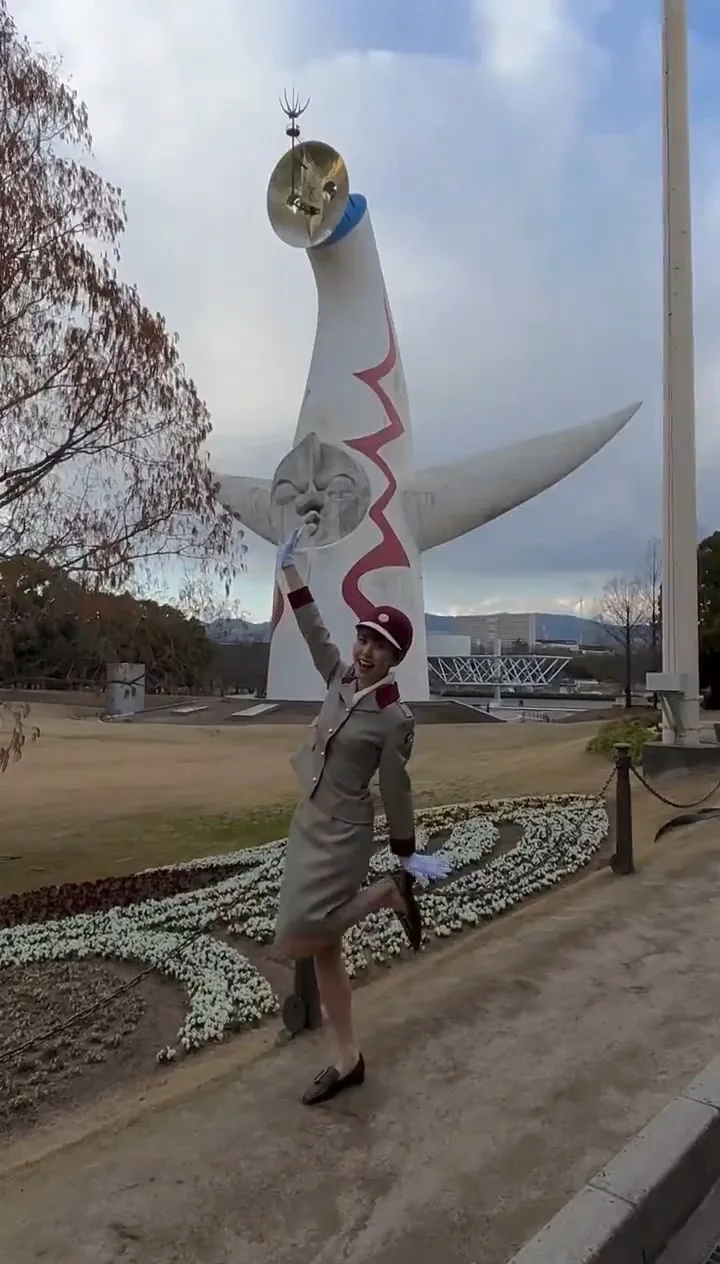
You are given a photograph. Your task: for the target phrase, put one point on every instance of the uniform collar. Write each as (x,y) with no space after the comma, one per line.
(387,694)
(385,690)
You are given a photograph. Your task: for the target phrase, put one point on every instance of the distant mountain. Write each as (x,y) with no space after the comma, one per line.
(439,624)
(237,631)
(549,627)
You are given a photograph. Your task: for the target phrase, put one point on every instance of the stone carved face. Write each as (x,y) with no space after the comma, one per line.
(320,485)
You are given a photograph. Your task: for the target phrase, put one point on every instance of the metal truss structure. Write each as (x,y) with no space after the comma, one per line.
(525,670)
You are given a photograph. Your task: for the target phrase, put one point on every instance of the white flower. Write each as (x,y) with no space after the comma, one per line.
(224,991)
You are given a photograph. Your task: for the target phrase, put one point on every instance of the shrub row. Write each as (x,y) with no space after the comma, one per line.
(51,903)
(634,732)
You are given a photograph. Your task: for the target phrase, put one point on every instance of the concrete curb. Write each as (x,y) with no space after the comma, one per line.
(630,1210)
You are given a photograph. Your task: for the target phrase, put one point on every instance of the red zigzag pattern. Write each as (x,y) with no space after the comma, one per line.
(389,551)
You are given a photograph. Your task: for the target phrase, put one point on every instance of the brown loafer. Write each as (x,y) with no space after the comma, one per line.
(409,918)
(330,1082)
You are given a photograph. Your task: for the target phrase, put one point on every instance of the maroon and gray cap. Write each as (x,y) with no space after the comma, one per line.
(392,625)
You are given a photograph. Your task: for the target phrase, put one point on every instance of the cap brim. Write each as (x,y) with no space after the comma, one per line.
(381,631)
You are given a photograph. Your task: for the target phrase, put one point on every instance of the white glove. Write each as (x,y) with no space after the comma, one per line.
(286,550)
(428,868)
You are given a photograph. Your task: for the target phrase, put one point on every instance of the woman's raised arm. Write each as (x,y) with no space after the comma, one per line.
(324,653)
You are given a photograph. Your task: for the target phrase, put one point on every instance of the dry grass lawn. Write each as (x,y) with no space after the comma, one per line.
(92,799)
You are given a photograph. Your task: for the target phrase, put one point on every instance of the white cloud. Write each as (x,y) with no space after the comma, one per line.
(515,197)
(524,37)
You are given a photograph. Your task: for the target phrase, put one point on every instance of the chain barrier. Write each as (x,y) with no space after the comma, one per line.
(682,807)
(301,1008)
(601,793)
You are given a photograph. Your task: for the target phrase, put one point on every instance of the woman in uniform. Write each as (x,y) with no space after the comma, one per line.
(362,728)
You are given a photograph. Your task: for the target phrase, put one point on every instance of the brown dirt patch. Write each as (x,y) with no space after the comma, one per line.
(114,1045)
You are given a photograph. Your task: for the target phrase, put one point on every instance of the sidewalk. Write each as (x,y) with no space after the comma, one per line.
(503,1072)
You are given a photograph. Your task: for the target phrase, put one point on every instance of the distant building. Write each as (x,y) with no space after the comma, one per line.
(443,645)
(563,647)
(514,630)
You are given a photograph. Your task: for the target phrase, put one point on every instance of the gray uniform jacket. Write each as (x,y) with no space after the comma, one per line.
(352,743)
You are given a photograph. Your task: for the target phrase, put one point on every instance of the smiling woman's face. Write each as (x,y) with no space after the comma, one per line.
(319,486)
(373,657)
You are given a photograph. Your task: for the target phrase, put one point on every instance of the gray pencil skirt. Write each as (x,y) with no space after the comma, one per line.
(326,863)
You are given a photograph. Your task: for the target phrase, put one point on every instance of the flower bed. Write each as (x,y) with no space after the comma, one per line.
(45,904)
(157,910)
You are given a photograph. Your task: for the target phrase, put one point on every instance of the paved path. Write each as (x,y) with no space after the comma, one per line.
(505,1070)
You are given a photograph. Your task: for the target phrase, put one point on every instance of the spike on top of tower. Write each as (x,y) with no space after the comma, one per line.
(292,109)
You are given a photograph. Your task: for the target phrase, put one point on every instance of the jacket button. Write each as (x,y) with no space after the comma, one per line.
(329,731)
(314,778)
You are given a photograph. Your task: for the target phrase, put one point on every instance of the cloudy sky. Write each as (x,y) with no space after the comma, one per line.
(510,152)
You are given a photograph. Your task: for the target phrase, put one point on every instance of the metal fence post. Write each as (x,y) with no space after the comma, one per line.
(302,1010)
(623,861)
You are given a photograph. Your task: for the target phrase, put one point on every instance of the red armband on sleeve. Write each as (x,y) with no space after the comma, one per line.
(299,598)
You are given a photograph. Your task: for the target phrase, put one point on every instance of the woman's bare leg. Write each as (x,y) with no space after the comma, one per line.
(334,985)
(336,997)
(381,894)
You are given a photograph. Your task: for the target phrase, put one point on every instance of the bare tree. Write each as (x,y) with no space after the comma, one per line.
(103,465)
(202,601)
(651,578)
(12,745)
(624,613)
(652,584)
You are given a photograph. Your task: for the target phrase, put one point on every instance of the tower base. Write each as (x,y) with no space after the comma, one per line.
(659,759)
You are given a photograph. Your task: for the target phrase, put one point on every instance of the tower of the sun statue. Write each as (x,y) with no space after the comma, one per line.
(369,515)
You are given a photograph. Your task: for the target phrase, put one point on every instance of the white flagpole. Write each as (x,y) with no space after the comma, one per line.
(679,591)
